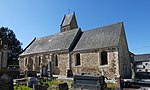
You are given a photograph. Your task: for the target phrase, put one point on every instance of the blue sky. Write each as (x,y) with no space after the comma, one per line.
(38,18)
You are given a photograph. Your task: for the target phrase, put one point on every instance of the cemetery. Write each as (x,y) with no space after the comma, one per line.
(71,60)
(80,82)
(31,81)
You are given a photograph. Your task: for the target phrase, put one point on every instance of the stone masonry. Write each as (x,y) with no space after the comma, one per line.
(33,62)
(90,64)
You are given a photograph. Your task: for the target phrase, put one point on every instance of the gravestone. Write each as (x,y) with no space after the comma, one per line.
(63,86)
(41,71)
(13,72)
(30,74)
(89,82)
(44,72)
(31,81)
(39,87)
(49,69)
(6,82)
(69,73)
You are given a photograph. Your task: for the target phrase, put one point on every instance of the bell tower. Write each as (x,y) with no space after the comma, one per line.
(69,22)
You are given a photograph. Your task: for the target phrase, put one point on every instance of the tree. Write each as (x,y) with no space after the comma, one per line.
(14,45)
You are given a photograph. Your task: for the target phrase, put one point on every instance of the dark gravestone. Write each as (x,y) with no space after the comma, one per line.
(13,72)
(89,82)
(37,87)
(44,72)
(40,87)
(49,70)
(31,81)
(30,73)
(69,73)
(6,82)
(63,86)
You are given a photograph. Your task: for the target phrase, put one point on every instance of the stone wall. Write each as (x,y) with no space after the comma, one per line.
(124,60)
(90,63)
(21,64)
(63,63)
(33,62)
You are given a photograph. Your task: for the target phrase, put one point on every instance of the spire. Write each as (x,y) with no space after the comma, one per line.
(69,22)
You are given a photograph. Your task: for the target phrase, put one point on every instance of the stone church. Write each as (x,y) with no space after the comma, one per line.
(99,51)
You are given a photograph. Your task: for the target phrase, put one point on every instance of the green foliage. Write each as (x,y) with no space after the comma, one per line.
(21,87)
(54,83)
(113,86)
(14,45)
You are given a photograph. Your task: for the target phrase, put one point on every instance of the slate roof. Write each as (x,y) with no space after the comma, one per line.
(142,57)
(102,37)
(56,42)
(67,19)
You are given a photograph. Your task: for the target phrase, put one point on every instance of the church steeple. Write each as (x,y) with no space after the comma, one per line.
(69,22)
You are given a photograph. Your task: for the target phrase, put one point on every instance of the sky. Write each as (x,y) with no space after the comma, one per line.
(39,18)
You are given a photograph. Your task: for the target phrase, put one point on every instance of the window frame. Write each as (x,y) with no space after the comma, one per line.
(56,60)
(103,55)
(39,63)
(25,61)
(77,59)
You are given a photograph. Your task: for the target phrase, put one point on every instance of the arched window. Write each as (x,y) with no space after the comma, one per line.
(39,60)
(104,60)
(78,59)
(56,60)
(26,60)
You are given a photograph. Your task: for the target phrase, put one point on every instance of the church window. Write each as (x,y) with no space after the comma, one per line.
(39,60)
(56,60)
(104,60)
(26,60)
(78,59)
